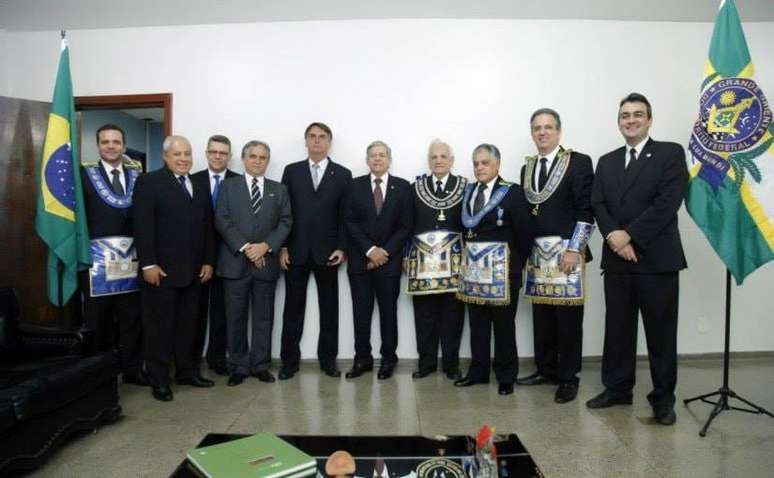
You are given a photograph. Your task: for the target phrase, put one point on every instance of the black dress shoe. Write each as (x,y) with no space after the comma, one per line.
(385,371)
(566,392)
(331,371)
(195,381)
(536,379)
(505,389)
(162,393)
(665,415)
(453,374)
(136,379)
(264,376)
(421,373)
(606,400)
(467,382)
(219,369)
(286,373)
(236,379)
(359,369)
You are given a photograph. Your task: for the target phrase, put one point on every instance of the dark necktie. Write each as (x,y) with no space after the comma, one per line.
(632,158)
(215,190)
(378,196)
(439,188)
(543,174)
(117,188)
(478,204)
(255,196)
(181,180)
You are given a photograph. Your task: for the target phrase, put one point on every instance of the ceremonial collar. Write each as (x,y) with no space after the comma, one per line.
(430,200)
(554,178)
(471,221)
(106,193)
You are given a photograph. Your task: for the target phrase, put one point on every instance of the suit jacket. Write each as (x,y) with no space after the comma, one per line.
(170,230)
(515,228)
(203,178)
(425,218)
(569,203)
(104,220)
(643,200)
(237,224)
(389,230)
(318,216)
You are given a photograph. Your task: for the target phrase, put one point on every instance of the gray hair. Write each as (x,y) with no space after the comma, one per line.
(253,143)
(171,139)
(489,148)
(379,143)
(546,111)
(438,142)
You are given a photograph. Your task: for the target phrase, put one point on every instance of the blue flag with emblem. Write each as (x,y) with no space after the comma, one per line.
(60,219)
(731,190)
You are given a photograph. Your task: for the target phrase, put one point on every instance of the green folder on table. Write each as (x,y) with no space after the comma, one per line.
(263,455)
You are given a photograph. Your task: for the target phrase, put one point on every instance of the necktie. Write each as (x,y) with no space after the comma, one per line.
(439,188)
(181,180)
(117,188)
(378,196)
(316,176)
(255,196)
(632,157)
(543,174)
(215,190)
(478,204)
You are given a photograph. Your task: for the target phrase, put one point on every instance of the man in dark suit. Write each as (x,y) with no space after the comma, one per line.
(175,244)
(557,183)
(497,242)
(253,217)
(378,223)
(316,244)
(637,192)
(434,271)
(211,301)
(111,302)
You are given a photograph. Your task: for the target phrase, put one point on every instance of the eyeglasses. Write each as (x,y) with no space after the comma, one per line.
(218,153)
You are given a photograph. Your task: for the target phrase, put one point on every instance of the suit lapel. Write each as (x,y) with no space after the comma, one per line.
(631,173)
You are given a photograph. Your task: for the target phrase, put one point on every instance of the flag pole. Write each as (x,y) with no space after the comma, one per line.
(724,393)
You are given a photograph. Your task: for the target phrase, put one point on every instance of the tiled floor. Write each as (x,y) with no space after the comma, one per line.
(565,440)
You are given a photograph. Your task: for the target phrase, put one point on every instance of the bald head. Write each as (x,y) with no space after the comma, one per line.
(177,154)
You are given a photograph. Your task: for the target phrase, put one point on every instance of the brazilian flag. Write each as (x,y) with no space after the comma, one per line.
(731,190)
(60,220)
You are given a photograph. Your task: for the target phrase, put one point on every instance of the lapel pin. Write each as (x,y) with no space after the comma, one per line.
(271,195)
(647,155)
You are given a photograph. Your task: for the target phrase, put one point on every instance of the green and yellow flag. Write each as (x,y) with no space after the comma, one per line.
(60,219)
(731,190)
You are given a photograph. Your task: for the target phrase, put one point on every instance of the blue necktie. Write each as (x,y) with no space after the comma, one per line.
(215,191)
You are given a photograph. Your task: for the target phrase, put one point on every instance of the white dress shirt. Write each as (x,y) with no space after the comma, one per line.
(487,193)
(637,150)
(321,172)
(109,170)
(435,180)
(212,174)
(551,157)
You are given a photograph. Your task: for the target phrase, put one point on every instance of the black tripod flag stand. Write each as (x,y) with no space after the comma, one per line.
(725,393)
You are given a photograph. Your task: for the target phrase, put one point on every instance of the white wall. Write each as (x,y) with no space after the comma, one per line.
(409,81)
(5,79)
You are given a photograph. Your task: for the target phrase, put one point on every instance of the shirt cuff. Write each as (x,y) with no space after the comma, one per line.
(149,267)
(368,252)
(242,249)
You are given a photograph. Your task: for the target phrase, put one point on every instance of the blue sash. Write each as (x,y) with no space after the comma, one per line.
(494,200)
(106,193)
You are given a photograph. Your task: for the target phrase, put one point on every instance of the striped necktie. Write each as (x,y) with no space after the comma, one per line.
(255,196)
